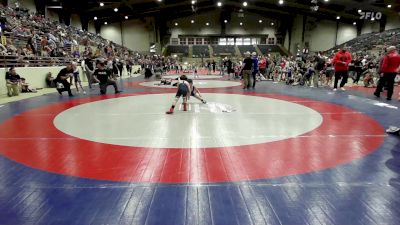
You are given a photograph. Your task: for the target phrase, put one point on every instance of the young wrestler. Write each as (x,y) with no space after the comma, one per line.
(195,92)
(77,78)
(183,91)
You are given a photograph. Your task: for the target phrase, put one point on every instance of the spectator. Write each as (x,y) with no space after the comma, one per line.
(246,70)
(13,82)
(61,80)
(341,62)
(389,69)
(104,77)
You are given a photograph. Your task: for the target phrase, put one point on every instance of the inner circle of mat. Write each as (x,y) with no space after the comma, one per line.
(140,121)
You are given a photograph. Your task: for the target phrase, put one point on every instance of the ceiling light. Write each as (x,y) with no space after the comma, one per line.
(192,21)
(245,4)
(219,4)
(338,17)
(225,21)
(359,11)
(193,2)
(389,6)
(159,0)
(101,4)
(260,21)
(272,24)
(176,24)
(115,9)
(126,17)
(95,18)
(326,0)
(354,23)
(280,2)
(241,24)
(207,24)
(105,23)
(372,19)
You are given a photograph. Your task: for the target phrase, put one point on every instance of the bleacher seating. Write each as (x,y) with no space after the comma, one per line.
(223,50)
(201,51)
(367,42)
(267,49)
(178,49)
(246,48)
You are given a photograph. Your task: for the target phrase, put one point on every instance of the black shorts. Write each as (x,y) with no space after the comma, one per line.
(230,70)
(182,90)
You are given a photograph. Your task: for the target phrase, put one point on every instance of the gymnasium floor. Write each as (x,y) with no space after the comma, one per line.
(274,155)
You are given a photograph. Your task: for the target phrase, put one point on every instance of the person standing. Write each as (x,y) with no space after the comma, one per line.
(389,69)
(319,66)
(246,70)
(89,68)
(341,62)
(254,71)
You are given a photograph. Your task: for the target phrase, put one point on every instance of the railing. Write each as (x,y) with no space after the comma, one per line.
(32,61)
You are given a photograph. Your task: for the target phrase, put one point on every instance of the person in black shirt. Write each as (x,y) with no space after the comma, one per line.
(89,69)
(247,70)
(61,80)
(358,69)
(13,82)
(104,77)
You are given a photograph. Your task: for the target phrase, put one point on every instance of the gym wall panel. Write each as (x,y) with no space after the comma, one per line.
(76,21)
(322,37)
(393,22)
(29,4)
(346,33)
(369,27)
(137,35)
(112,32)
(91,27)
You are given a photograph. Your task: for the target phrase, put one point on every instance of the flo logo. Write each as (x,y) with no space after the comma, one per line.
(370,15)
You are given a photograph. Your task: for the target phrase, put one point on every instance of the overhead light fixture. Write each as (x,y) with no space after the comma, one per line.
(95,18)
(354,23)
(105,23)
(193,2)
(101,4)
(272,23)
(260,21)
(280,2)
(373,19)
(115,9)
(192,21)
(359,10)
(338,17)
(159,0)
(126,17)
(241,24)
(176,24)
(225,21)
(326,0)
(219,4)
(244,4)
(389,6)
(207,24)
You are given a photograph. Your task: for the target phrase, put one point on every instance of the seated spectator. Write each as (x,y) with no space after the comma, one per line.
(50,80)
(104,77)
(25,87)
(13,82)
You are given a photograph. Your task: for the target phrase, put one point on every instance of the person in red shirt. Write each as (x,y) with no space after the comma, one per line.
(341,61)
(262,65)
(389,69)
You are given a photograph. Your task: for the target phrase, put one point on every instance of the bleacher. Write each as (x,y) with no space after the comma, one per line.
(223,49)
(201,51)
(246,48)
(367,42)
(267,49)
(182,50)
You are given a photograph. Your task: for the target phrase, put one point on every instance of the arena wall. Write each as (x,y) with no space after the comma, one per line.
(36,76)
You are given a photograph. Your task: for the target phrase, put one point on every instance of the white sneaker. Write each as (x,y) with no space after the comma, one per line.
(311,86)
(342,89)
(335,89)
(84,92)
